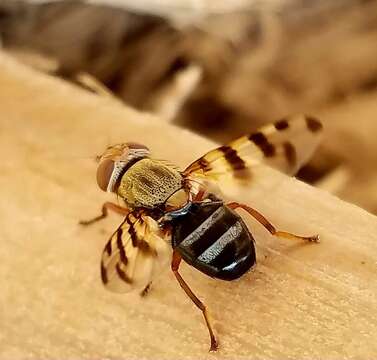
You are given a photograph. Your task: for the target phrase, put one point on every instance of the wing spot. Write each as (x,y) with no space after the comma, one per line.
(261,141)
(108,248)
(204,164)
(104,278)
(132,232)
(290,153)
(144,247)
(313,124)
(122,253)
(281,125)
(122,274)
(233,159)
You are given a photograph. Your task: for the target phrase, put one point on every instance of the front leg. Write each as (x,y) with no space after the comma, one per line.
(105,208)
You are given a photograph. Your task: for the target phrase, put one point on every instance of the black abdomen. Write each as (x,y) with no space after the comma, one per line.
(214,239)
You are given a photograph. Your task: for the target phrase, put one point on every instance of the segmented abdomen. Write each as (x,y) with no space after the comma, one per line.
(215,240)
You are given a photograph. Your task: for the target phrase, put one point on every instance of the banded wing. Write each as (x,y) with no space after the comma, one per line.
(135,253)
(285,145)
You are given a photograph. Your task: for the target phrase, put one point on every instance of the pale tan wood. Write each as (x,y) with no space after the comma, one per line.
(302,301)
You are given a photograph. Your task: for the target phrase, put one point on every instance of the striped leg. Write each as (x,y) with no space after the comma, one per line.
(271,229)
(175,266)
(105,207)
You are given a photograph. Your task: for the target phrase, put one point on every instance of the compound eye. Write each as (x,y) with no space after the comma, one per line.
(104,172)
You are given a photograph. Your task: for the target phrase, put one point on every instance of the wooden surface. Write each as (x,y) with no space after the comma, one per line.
(302,301)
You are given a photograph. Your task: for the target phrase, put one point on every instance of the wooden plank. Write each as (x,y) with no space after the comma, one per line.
(302,301)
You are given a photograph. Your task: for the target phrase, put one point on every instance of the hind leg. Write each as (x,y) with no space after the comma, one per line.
(271,228)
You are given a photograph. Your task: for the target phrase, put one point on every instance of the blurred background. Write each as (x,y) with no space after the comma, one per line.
(222,68)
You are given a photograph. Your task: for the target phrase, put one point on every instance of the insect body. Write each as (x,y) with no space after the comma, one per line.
(172,215)
(140,181)
(149,183)
(214,239)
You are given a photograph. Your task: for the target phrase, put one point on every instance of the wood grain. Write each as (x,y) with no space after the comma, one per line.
(302,301)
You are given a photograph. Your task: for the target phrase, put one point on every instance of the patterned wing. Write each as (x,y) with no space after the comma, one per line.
(136,252)
(285,145)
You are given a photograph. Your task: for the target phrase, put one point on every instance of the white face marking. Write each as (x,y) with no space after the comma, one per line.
(118,169)
(120,165)
(137,153)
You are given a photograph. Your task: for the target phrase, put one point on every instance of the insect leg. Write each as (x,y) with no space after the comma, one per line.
(271,228)
(199,196)
(105,207)
(175,266)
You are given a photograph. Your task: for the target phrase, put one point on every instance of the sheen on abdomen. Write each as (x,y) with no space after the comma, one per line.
(214,239)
